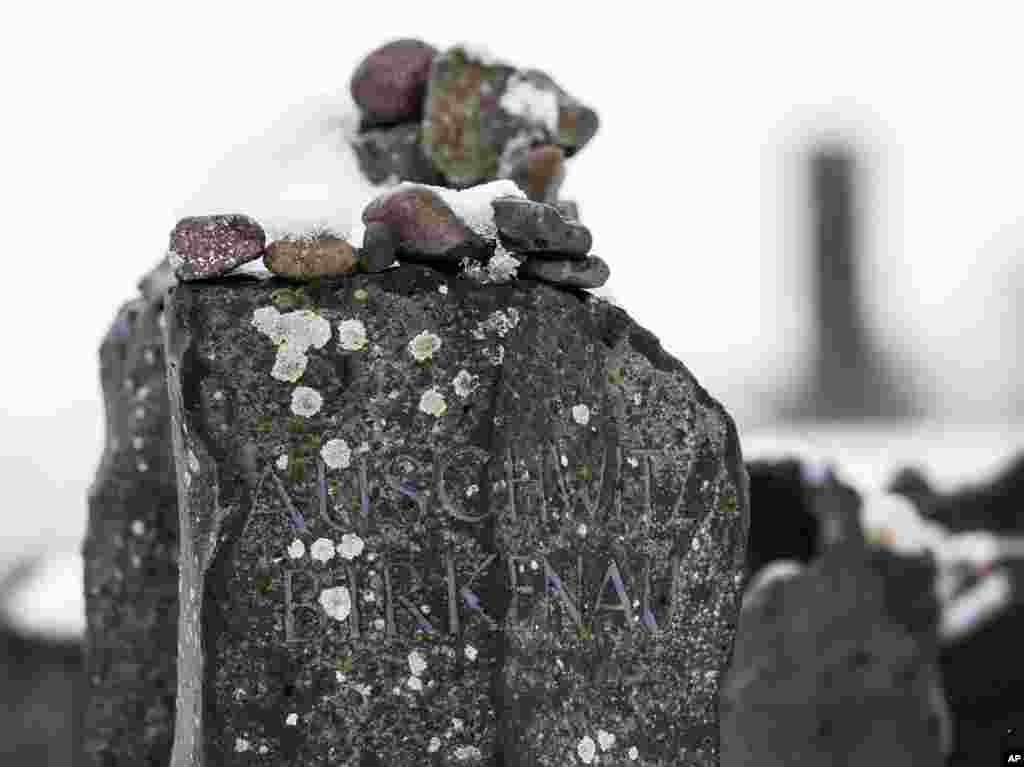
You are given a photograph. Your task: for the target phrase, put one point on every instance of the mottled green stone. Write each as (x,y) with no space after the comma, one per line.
(517,608)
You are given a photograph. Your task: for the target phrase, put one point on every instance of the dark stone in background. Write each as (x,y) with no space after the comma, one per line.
(130,551)
(836,666)
(983,673)
(451,509)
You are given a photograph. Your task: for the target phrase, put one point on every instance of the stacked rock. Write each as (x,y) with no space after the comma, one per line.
(463,117)
(479,148)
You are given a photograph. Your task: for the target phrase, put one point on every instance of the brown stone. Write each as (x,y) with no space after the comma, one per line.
(541,172)
(307,259)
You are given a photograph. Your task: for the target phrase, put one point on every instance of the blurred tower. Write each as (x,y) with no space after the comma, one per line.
(851,377)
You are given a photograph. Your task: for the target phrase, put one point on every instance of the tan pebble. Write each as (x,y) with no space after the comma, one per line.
(309,259)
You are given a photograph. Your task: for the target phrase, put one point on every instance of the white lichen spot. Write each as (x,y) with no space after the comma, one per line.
(193,462)
(432,402)
(632,462)
(142,466)
(637,399)
(524,98)
(471,652)
(442,289)
(351,546)
(534,565)
(297,549)
(291,720)
(218,396)
(289,365)
(322,550)
(502,267)
(336,602)
(140,413)
(465,753)
(369,596)
(415,683)
(241,744)
(282,462)
(336,454)
(605,739)
(423,345)
(472,490)
(378,623)
(465,383)
(417,664)
(586,749)
(433,745)
(138,442)
(371,556)
(150,357)
(565,461)
(581,414)
(633,753)
(293,334)
(425,609)
(352,335)
(582,530)
(264,750)
(306,401)
(138,528)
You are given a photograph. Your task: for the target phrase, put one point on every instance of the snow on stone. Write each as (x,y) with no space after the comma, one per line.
(893,521)
(522,97)
(481,54)
(297,176)
(990,596)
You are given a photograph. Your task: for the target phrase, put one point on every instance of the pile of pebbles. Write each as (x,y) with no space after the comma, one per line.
(473,151)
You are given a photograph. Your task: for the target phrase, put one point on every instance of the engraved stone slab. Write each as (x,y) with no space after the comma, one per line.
(131,551)
(492,525)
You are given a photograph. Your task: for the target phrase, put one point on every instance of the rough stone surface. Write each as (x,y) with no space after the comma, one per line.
(131,553)
(380,246)
(539,229)
(363,585)
(308,259)
(427,229)
(591,272)
(393,154)
(570,209)
(154,284)
(209,246)
(481,116)
(837,665)
(540,172)
(391,82)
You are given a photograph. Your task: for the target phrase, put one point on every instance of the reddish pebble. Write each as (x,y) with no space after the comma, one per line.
(208,246)
(390,85)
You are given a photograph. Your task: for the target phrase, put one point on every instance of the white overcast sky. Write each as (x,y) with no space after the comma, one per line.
(116,114)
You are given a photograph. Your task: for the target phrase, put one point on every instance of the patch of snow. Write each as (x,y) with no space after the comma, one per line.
(299,175)
(540,105)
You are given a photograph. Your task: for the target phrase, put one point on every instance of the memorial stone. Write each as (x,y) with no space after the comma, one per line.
(459,524)
(131,548)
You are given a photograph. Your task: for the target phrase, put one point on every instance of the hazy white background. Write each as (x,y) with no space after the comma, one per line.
(115,114)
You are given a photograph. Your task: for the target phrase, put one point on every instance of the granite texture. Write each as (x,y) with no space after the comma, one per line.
(131,549)
(366,549)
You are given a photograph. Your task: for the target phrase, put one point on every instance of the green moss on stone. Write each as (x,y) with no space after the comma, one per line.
(583,472)
(264,583)
(615,377)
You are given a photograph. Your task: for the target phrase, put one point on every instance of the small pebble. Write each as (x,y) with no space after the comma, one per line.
(307,259)
(539,229)
(427,228)
(391,82)
(380,246)
(541,172)
(592,272)
(208,246)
